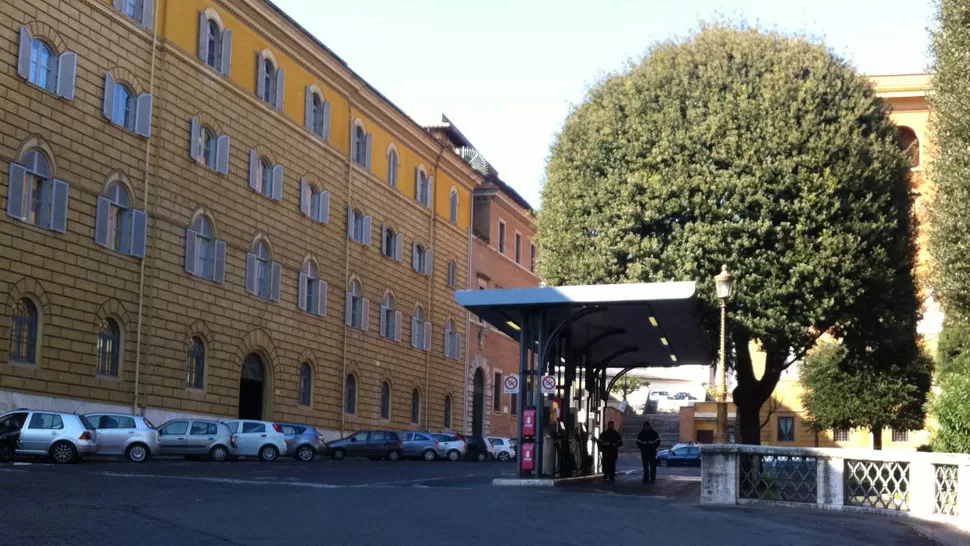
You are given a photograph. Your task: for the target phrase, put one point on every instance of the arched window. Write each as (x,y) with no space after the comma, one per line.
(388,318)
(119,218)
(422,189)
(350,394)
(392,168)
(909,143)
(133,8)
(317,118)
(263,277)
(451,341)
(43,65)
(360,141)
(214,39)
(311,291)
(205,247)
(447,412)
(451,274)
(209,147)
(266,173)
(23,332)
(385,400)
(417,328)
(195,369)
(306,385)
(122,106)
(269,82)
(453,207)
(356,294)
(37,191)
(109,348)
(415,406)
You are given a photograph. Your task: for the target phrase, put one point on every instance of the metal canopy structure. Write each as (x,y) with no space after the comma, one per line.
(575,333)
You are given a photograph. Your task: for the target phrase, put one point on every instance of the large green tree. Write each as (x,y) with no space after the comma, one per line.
(736,146)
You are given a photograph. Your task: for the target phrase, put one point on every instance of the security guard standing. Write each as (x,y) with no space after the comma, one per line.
(648,441)
(610,442)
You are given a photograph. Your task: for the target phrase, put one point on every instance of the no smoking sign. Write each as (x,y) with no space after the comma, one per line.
(548,384)
(511,384)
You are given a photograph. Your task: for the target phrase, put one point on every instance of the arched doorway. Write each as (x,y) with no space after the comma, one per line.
(251,388)
(478,404)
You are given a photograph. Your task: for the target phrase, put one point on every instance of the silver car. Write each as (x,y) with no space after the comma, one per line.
(303,442)
(120,434)
(257,439)
(420,444)
(196,438)
(452,446)
(504,448)
(64,437)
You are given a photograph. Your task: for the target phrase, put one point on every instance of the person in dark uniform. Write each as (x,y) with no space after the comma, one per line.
(648,441)
(610,442)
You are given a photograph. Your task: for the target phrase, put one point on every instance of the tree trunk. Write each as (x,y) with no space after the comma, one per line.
(751,393)
(749,422)
(876,437)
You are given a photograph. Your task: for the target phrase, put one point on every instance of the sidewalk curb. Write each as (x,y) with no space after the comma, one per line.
(552,482)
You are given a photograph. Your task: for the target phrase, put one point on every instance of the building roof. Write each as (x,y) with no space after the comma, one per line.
(900,85)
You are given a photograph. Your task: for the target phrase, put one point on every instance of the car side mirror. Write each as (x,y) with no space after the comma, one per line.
(353,439)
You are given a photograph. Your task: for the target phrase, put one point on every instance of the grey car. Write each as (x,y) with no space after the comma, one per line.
(303,442)
(120,434)
(64,437)
(374,444)
(196,438)
(451,445)
(421,444)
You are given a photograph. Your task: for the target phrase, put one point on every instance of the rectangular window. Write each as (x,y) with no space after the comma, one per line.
(705,436)
(497,392)
(514,404)
(518,248)
(900,435)
(786,429)
(841,435)
(532,258)
(501,237)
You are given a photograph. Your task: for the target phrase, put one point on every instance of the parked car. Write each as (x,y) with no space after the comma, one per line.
(257,439)
(420,444)
(680,455)
(659,395)
(375,444)
(196,438)
(478,449)
(303,442)
(503,448)
(453,447)
(684,396)
(64,437)
(121,434)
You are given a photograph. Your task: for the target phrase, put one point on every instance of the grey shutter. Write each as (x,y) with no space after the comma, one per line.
(308,109)
(430,198)
(322,298)
(367,151)
(66,73)
(274,286)
(101,221)
(191,251)
(260,76)
(383,320)
(254,178)
(326,120)
(384,248)
(222,154)
(353,143)
(415,326)
(23,56)
(364,314)
(398,317)
(447,347)
(414,257)
(427,336)
(349,309)
(251,273)
(148,14)
(350,222)
(305,197)
(16,178)
(301,291)
(324,203)
(59,206)
(139,233)
(428,262)
(143,115)
(279,88)
(457,347)
(117,4)
(278,182)
(194,149)
(367,229)
(219,271)
(226,52)
(399,246)
(109,95)
(203,37)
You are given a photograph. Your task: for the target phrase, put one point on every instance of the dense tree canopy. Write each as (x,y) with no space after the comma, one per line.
(753,149)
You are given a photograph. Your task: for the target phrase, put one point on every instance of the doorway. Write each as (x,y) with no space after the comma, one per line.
(251,388)
(478,404)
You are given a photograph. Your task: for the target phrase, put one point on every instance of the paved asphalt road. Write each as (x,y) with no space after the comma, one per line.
(383,503)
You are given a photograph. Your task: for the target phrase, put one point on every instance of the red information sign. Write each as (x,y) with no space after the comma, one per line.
(528,458)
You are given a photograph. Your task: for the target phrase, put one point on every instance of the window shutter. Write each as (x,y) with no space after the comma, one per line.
(429,262)
(308,109)
(367,228)
(384,239)
(203,36)
(139,233)
(457,355)
(143,115)
(195,151)
(326,120)
(222,154)
(23,56)
(255,181)
(66,73)
(109,95)
(349,309)
(260,76)
(430,198)
(16,177)
(101,221)
(367,150)
(398,246)
(322,298)
(447,337)
(191,251)
(226,52)
(414,255)
(305,197)
(415,328)
(251,273)
(350,222)
(383,321)
(417,185)
(324,204)
(274,286)
(219,271)
(278,182)
(301,291)
(148,14)
(397,325)
(279,89)
(59,206)
(427,336)
(353,143)
(364,314)
(117,4)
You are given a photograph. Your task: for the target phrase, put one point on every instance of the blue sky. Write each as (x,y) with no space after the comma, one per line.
(507,72)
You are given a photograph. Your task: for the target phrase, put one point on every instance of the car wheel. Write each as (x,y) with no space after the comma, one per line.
(482,456)
(394,455)
(63,453)
(454,455)
(339,454)
(305,453)
(429,455)
(268,454)
(219,454)
(6,454)
(504,457)
(137,453)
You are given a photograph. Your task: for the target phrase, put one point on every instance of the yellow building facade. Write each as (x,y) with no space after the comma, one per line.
(209,213)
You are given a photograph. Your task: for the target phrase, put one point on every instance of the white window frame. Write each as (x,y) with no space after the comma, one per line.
(502,232)
(59,70)
(198,243)
(208,148)
(214,35)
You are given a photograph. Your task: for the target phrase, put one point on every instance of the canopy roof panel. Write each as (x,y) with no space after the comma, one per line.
(624,325)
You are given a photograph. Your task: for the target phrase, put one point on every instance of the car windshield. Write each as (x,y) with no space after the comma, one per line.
(87,424)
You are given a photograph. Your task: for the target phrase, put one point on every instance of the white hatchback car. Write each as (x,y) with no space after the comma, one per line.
(257,439)
(504,448)
(451,447)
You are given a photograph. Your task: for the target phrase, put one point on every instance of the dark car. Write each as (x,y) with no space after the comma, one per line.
(479,449)
(373,444)
(683,455)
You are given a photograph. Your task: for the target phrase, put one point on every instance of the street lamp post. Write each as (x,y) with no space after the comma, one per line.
(724,285)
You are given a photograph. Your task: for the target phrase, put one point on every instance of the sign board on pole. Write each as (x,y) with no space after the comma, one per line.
(548,384)
(511,384)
